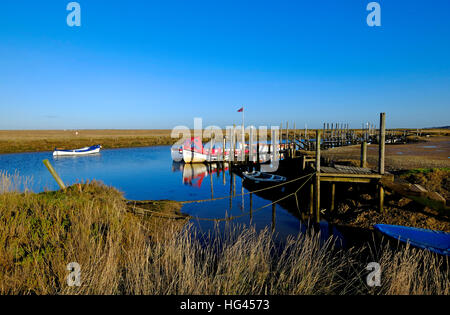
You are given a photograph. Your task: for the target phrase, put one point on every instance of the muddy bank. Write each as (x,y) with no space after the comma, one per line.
(359,207)
(434,152)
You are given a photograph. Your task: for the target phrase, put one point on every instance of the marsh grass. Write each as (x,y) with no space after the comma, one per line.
(120,253)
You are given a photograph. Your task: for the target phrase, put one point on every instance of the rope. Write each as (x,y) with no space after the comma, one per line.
(175,217)
(247,193)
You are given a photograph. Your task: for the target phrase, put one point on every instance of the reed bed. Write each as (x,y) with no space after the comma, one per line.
(119,253)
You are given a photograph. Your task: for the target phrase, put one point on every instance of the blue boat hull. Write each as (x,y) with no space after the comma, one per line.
(435,241)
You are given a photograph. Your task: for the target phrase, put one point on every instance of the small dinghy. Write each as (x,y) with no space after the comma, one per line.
(435,241)
(260,177)
(82,151)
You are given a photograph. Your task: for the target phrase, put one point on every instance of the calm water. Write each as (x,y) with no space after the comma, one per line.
(149,174)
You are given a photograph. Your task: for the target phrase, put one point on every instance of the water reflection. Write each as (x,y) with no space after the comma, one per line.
(149,174)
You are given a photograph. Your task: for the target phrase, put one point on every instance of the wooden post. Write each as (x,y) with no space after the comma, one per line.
(295,136)
(364,154)
(381,197)
(311,199)
(251,156)
(274,210)
(233,143)
(211,180)
(251,206)
(223,173)
(213,144)
(382,143)
(323,131)
(287,134)
(333,193)
(281,134)
(243,145)
(317,185)
(224,144)
(231,188)
(54,174)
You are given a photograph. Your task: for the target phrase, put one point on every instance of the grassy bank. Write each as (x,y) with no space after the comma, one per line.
(122,253)
(47,140)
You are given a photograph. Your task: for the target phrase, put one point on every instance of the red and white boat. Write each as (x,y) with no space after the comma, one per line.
(193,151)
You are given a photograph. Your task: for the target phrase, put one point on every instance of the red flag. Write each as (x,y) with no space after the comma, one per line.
(241,110)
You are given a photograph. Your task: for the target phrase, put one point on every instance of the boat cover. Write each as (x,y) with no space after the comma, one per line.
(435,241)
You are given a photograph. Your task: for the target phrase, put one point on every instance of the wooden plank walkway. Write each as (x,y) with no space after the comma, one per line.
(343,169)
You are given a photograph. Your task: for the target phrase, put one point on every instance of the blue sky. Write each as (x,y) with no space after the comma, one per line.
(158,64)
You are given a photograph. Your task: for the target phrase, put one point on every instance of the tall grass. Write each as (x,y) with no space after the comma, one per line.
(120,253)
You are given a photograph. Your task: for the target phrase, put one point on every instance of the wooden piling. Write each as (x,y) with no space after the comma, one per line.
(54,174)
(333,193)
(364,154)
(251,206)
(211,181)
(381,197)
(224,144)
(317,177)
(382,143)
(274,211)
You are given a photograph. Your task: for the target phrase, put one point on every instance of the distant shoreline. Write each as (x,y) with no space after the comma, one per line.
(28,141)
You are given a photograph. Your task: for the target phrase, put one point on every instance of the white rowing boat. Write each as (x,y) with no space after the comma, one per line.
(83,151)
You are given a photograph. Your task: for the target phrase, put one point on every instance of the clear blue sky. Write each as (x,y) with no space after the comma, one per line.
(158,64)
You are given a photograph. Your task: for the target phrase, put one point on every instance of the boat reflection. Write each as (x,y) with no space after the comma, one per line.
(194,174)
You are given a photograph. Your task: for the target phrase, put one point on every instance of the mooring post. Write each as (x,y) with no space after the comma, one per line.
(231,188)
(243,145)
(317,200)
(281,134)
(250,146)
(364,154)
(211,180)
(381,158)
(274,211)
(287,137)
(54,174)
(211,147)
(251,206)
(295,135)
(333,193)
(224,144)
(381,197)
(233,143)
(382,143)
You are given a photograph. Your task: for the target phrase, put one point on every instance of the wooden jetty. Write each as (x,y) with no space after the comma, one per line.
(305,152)
(348,174)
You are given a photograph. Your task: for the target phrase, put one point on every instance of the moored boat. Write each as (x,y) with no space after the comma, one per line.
(261,177)
(177,153)
(435,241)
(83,151)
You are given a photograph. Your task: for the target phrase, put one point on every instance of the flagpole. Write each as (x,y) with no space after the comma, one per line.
(243,137)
